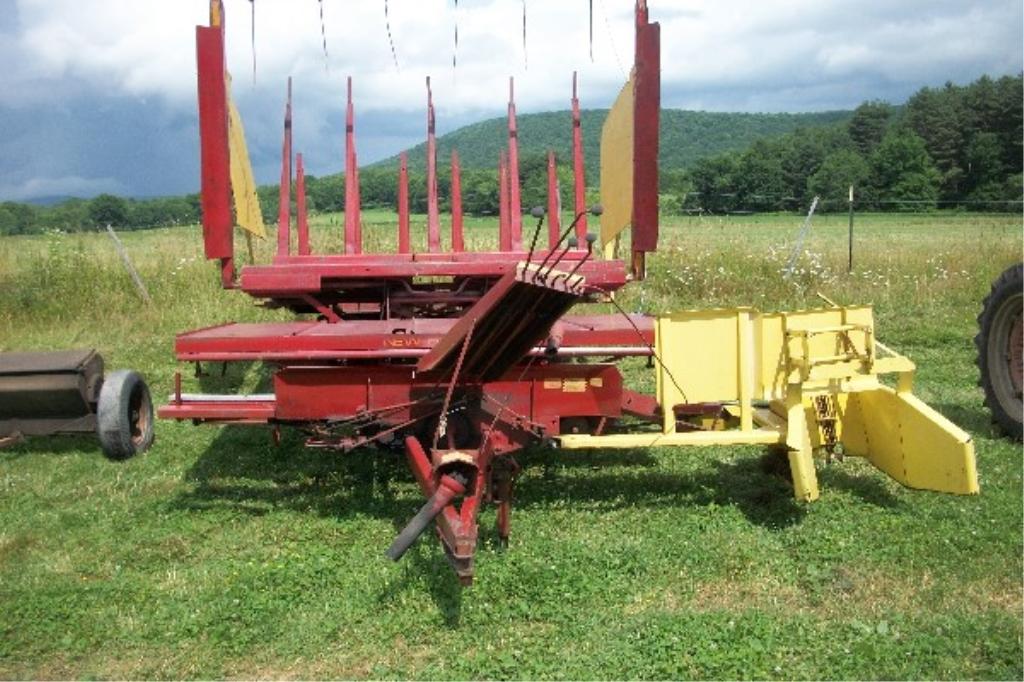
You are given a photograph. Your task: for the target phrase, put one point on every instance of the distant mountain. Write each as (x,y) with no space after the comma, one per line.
(685,136)
(48,200)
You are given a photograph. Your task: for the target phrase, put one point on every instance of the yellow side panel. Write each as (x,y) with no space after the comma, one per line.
(701,351)
(910,441)
(617,166)
(243,187)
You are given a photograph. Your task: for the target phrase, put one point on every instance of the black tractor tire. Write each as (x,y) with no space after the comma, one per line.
(1000,344)
(124,415)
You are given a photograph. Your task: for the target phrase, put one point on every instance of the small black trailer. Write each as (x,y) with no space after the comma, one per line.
(66,392)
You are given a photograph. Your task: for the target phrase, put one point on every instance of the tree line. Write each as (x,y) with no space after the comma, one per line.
(946,146)
(76,215)
(949,146)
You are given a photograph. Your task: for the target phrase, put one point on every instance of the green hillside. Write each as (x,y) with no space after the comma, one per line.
(685,136)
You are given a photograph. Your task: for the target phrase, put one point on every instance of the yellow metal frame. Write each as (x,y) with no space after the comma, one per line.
(777,371)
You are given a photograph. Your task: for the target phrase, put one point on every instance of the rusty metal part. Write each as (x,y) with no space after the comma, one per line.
(49,392)
(449,487)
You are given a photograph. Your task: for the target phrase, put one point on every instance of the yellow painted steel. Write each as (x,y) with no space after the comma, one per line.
(910,441)
(248,215)
(806,379)
(216,12)
(617,167)
(761,436)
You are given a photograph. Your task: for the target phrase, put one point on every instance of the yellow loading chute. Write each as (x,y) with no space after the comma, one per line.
(617,168)
(243,187)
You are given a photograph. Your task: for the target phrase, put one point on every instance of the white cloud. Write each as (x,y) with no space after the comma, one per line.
(146,47)
(782,55)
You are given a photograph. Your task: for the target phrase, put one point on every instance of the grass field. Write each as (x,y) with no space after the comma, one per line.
(217,554)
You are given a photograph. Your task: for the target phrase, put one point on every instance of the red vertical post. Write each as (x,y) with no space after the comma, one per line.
(352,232)
(458,242)
(215,157)
(514,199)
(433,215)
(284,207)
(300,206)
(579,180)
(504,229)
(646,104)
(554,203)
(403,204)
(358,204)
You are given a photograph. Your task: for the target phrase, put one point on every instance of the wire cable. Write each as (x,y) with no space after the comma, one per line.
(455,49)
(526,63)
(387,24)
(252,37)
(640,335)
(323,35)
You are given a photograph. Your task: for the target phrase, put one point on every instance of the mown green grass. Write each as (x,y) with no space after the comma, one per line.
(218,554)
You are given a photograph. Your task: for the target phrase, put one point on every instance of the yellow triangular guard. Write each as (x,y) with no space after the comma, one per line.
(247,204)
(910,441)
(617,166)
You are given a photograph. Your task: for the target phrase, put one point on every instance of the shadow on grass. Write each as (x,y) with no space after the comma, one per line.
(973,418)
(243,471)
(59,445)
(764,499)
(422,562)
(869,489)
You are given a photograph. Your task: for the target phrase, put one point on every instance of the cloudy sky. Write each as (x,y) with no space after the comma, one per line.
(99,96)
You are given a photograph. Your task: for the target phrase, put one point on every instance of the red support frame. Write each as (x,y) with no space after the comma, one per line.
(433,213)
(353,236)
(302,218)
(404,245)
(215,157)
(284,206)
(646,107)
(504,220)
(554,203)
(514,199)
(458,240)
(578,169)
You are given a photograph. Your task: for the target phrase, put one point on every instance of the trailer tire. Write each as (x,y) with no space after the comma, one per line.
(1000,350)
(124,416)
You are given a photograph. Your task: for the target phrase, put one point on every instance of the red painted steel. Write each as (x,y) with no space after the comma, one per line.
(352,237)
(404,245)
(285,191)
(290,278)
(379,364)
(504,219)
(354,339)
(458,240)
(646,104)
(514,199)
(237,412)
(537,397)
(554,203)
(358,203)
(214,154)
(578,169)
(300,206)
(433,216)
